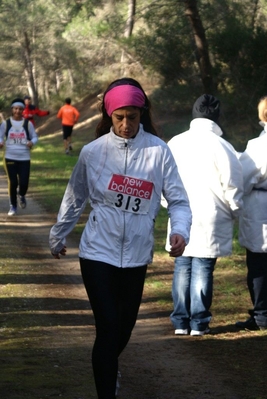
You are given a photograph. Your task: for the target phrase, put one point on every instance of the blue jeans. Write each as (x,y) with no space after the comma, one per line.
(192,290)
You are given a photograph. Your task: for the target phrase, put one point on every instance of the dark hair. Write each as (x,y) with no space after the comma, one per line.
(17,100)
(68,100)
(105,124)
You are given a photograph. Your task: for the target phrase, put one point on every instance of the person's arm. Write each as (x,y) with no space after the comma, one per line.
(72,206)
(253,161)
(33,135)
(40,112)
(2,134)
(76,115)
(231,178)
(178,207)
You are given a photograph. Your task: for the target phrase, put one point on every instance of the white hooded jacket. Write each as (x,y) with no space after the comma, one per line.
(123,180)
(253,219)
(212,177)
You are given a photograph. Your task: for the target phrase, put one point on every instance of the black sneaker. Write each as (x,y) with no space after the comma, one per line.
(249,324)
(22,202)
(118,384)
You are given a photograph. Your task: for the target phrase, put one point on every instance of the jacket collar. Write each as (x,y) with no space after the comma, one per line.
(264,125)
(121,142)
(207,124)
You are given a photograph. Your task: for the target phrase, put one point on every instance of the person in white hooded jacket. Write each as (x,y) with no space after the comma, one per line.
(212,177)
(123,174)
(253,224)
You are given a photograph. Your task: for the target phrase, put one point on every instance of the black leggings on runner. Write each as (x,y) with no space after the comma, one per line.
(115,295)
(18,174)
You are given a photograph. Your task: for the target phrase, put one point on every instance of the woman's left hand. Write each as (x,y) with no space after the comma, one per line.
(178,244)
(29,144)
(61,252)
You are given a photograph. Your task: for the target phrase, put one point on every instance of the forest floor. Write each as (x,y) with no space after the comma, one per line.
(47,330)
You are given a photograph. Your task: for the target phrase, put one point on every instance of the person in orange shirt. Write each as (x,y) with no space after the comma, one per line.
(69,116)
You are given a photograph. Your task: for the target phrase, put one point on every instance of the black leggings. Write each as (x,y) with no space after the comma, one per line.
(257,285)
(115,295)
(18,173)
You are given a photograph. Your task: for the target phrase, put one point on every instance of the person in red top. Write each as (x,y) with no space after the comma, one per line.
(69,116)
(31,110)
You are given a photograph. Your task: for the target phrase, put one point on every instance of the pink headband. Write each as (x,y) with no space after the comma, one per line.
(123,96)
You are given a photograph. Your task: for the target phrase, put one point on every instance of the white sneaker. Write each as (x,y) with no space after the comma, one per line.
(180,331)
(12,211)
(196,332)
(118,385)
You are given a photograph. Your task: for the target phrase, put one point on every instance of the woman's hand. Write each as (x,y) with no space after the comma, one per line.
(62,252)
(178,244)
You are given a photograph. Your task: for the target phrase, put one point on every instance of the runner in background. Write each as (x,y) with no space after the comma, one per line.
(18,135)
(31,110)
(69,116)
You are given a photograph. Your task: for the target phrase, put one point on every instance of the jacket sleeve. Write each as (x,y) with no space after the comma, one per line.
(2,131)
(231,178)
(254,164)
(40,112)
(76,115)
(32,133)
(176,197)
(73,203)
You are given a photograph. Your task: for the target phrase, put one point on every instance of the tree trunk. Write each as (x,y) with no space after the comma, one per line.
(130,19)
(255,14)
(71,79)
(57,81)
(29,70)
(202,51)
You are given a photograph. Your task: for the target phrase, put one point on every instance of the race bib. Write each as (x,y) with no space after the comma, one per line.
(129,194)
(17,138)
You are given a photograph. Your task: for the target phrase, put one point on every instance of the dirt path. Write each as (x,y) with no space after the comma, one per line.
(47,329)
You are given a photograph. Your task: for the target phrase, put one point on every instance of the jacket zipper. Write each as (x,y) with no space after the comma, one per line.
(123,213)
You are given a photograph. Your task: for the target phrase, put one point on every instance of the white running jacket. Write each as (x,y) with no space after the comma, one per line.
(212,177)
(123,180)
(253,219)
